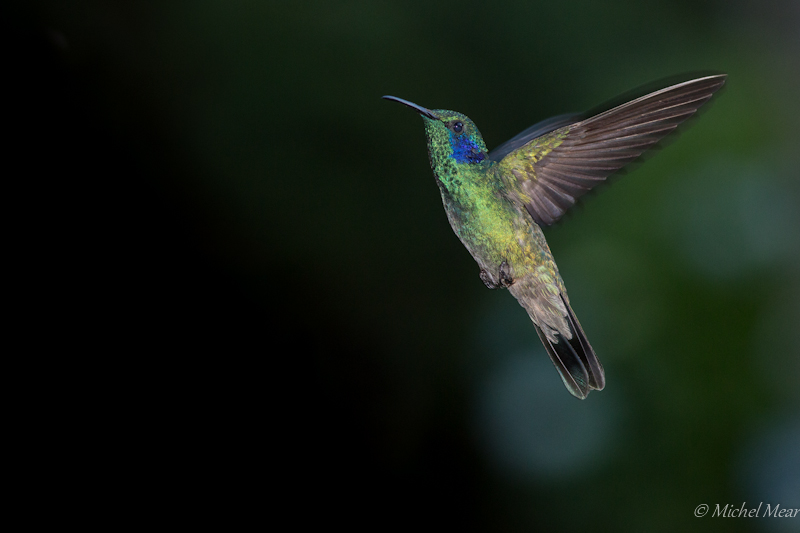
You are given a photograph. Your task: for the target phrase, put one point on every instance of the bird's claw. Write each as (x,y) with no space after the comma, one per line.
(504,277)
(487,280)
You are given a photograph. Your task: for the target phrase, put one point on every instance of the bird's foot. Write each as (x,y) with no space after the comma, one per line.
(505,275)
(487,280)
(503,281)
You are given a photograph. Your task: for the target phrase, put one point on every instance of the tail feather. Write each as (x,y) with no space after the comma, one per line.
(568,363)
(544,299)
(574,358)
(597,376)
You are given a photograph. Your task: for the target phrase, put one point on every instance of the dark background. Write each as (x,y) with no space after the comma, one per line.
(248,248)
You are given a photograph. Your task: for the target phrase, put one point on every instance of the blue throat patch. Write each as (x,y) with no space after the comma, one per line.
(465,150)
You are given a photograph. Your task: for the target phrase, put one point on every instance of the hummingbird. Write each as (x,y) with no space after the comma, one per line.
(498,201)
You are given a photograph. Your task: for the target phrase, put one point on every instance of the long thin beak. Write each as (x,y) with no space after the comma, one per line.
(418,108)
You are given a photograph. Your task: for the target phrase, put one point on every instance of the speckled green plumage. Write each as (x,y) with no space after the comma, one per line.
(486,210)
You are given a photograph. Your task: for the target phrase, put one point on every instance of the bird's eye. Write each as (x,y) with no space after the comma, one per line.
(458,127)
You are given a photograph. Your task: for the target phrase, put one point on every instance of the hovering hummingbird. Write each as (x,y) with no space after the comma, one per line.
(497,201)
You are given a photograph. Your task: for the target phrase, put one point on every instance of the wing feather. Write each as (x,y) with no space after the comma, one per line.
(551,171)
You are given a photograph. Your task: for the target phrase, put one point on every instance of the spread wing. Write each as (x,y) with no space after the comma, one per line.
(550,172)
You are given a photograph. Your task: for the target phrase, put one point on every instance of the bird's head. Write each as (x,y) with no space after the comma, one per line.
(454,141)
